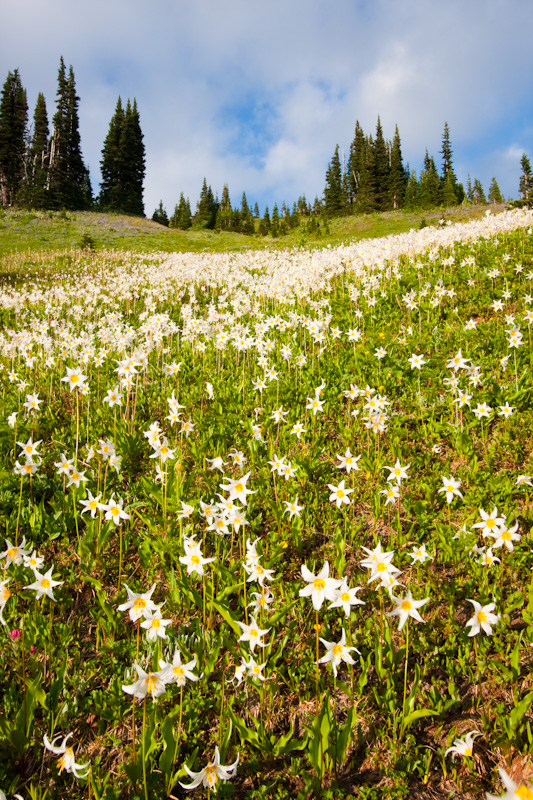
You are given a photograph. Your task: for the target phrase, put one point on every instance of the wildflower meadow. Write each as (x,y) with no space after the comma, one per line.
(266,524)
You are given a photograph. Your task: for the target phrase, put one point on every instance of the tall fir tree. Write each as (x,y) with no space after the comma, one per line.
(224,217)
(110,198)
(479,194)
(451,192)
(160,215)
(68,178)
(247,220)
(526,179)
(264,225)
(430,190)
(123,162)
(13,136)
(381,170)
(495,195)
(333,192)
(398,176)
(206,210)
(36,195)
(182,217)
(412,193)
(356,164)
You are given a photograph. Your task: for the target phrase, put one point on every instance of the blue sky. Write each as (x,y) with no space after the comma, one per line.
(257,95)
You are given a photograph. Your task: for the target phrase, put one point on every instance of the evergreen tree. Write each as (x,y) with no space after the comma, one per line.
(333,192)
(111,192)
(160,215)
(132,162)
(224,216)
(469,190)
(452,194)
(429,194)
(274,222)
(68,178)
(256,211)
(412,193)
(398,175)
(13,129)
(381,170)
(264,225)
(526,179)
(247,220)
(181,217)
(123,162)
(206,209)
(36,195)
(356,161)
(479,194)
(495,196)
(366,195)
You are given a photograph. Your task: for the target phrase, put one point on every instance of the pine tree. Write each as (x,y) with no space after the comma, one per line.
(356,161)
(224,217)
(68,178)
(526,179)
(123,162)
(132,161)
(333,192)
(452,194)
(264,225)
(469,190)
(274,222)
(111,192)
(181,218)
(495,196)
(412,193)
(160,215)
(206,210)
(13,130)
(247,220)
(366,196)
(430,190)
(36,195)
(381,170)
(479,194)
(398,176)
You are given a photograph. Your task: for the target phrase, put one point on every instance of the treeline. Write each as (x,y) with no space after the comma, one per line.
(214,214)
(374,178)
(44,169)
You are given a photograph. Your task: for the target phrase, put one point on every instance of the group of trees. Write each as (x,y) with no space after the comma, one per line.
(43,169)
(375,178)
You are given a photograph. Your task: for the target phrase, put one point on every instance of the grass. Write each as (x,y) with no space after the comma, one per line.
(36,231)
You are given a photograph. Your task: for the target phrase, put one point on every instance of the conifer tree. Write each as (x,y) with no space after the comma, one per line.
(36,195)
(495,196)
(68,178)
(247,220)
(412,193)
(526,179)
(452,193)
(13,129)
(181,218)
(333,192)
(224,216)
(132,161)
(111,192)
(429,184)
(381,170)
(160,215)
(398,176)
(356,163)
(123,162)
(275,222)
(264,225)
(479,194)
(206,209)
(366,195)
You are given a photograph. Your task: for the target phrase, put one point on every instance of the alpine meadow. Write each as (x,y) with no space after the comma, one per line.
(266,486)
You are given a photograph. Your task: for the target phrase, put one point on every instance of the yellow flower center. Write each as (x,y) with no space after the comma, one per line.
(179,672)
(337,650)
(381,567)
(524,793)
(406,605)
(340,493)
(397,471)
(156,623)
(319,584)
(254,634)
(115,510)
(12,553)
(259,569)
(345,597)
(195,560)
(139,604)
(481,617)
(490,523)
(151,680)
(239,487)
(506,536)
(45,583)
(74,378)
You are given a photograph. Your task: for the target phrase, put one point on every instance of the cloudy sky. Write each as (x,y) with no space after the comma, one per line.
(257,95)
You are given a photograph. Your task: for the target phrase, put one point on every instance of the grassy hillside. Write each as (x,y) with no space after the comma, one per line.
(22,230)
